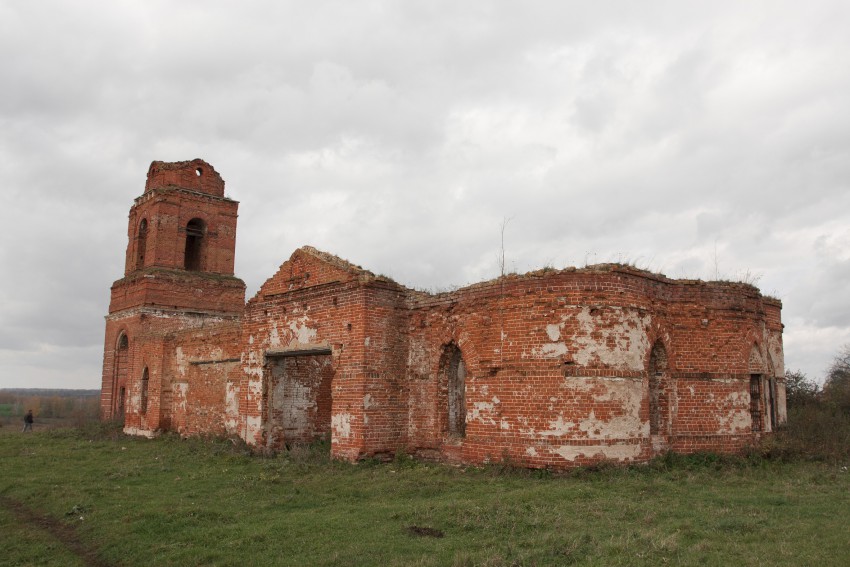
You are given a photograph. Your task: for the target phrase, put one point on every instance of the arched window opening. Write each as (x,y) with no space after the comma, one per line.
(141,244)
(454,369)
(755,401)
(770,393)
(658,397)
(144,393)
(755,363)
(122,357)
(756,366)
(194,245)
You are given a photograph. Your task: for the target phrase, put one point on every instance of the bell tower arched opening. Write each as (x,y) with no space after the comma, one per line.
(193,257)
(141,244)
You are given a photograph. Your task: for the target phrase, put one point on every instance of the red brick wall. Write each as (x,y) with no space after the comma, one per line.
(167,208)
(557,362)
(201,361)
(299,399)
(309,303)
(178,289)
(385,396)
(175,318)
(196,175)
(558,365)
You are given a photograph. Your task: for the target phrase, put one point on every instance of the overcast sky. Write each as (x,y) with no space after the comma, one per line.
(698,139)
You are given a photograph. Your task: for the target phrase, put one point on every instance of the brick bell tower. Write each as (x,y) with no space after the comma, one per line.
(178,274)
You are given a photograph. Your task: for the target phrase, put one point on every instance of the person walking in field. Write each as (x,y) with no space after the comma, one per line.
(28,421)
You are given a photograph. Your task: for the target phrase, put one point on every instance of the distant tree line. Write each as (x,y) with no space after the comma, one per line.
(80,405)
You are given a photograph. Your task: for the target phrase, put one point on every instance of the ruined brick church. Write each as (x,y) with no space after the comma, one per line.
(554,368)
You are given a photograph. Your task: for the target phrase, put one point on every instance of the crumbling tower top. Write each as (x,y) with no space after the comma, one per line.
(195,175)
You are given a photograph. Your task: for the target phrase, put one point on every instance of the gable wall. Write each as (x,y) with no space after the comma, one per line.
(306,304)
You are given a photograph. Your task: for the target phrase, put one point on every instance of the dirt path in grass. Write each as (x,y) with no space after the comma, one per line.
(64,533)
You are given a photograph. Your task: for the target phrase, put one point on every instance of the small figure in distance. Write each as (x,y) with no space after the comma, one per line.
(28,420)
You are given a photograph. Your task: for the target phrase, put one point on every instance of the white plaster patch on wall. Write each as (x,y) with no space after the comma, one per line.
(181,361)
(134,403)
(504,425)
(734,415)
(254,367)
(612,452)
(550,350)
(254,371)
(621,392)
(139,432)
(274,337)
(367,341)
(482,412)
(554,332)
(558,428)
(626,329)
(369,402)
(584,383)
(417,358)
(341,425)
(627,423)
(253,429)
(776,353)
(781,403)
(301,331)
(531,451)
(255,388)
(735,422)
(231,407)
(181,395)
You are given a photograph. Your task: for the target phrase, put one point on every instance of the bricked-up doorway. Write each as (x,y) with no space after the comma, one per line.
(453,379)
(659,395)
(119,381)
(298,389)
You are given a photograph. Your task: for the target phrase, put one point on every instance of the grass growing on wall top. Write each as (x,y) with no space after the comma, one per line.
(130,501)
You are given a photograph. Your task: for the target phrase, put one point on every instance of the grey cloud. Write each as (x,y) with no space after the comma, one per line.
(399,135)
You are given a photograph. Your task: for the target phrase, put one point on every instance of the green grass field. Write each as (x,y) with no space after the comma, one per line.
(68,497)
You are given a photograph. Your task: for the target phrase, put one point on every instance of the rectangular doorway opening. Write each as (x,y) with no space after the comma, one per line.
(299,398)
